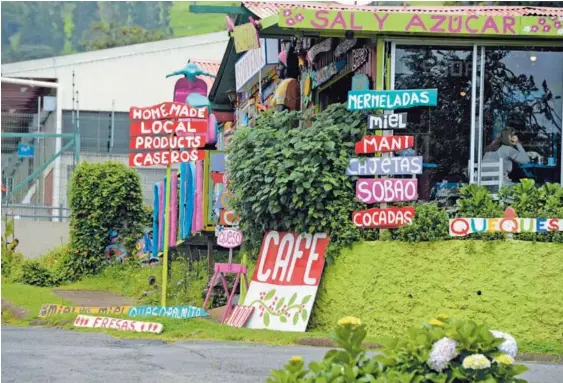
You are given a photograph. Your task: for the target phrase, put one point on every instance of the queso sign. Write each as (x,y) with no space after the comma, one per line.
(286,280)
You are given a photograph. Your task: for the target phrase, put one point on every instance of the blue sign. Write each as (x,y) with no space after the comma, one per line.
(26,151)
(391,99)
(177,312)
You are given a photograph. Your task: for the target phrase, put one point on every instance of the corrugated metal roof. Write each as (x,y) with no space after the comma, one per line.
(211,67)
(263,9)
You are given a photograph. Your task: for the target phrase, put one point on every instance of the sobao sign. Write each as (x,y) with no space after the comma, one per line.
(286,280)
(229,238)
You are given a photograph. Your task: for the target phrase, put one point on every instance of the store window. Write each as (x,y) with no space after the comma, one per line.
(442,133)
(523,90)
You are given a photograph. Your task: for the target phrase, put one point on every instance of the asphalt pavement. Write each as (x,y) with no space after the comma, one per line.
(51,355)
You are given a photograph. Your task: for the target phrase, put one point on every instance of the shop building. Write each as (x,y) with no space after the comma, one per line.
(493,67)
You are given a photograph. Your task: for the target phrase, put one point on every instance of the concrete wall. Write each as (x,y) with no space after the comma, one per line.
(38,237)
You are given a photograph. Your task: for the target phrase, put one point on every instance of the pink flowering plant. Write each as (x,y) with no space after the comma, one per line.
(443,351)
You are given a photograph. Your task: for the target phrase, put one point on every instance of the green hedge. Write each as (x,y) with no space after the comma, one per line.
(511,285)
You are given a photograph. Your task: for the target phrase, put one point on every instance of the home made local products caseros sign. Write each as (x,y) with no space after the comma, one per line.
(166,140)
(286,280)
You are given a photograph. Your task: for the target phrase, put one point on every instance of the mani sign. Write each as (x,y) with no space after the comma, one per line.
(286,280)
(379,144)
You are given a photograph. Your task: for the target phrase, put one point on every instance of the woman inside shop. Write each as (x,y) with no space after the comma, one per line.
(506,146)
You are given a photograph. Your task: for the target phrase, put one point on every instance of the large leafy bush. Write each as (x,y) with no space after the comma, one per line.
(103,196)
(287,172)
(430,224)
(453,351)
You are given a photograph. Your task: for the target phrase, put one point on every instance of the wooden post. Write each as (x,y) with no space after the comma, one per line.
(210,254)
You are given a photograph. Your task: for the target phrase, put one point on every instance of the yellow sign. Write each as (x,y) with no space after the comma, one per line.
(246,38)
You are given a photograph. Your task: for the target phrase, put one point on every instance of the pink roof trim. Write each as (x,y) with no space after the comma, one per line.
(264,9)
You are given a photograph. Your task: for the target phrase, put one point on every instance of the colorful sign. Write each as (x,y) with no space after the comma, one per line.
(185,127)
(255,61)
(384,166)
(117,324)
(229,238)
(391,99)
(228,218)
(460,227)
(246,37)
(386,218)
(51,309)
(165,158)
(167,110)
(286,280)
(176,312)
(384,190)
(378,144)
(393,121)
(240,316)
(422,23)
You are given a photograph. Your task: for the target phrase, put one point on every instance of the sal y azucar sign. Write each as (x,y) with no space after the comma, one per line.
(391,99)
(286,280)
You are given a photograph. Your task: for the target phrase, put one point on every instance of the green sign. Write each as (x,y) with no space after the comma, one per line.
(411,22)
(246,37)
(391,99)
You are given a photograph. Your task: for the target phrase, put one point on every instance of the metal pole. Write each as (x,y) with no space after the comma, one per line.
(471,170)
(77,143)
(58,145)
(481,115)
(112,122)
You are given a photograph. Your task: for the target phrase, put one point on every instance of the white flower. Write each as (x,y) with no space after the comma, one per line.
(476,362)
(443,351)
(509,346)
(504,359)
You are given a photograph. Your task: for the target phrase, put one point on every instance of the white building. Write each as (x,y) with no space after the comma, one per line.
(102,85)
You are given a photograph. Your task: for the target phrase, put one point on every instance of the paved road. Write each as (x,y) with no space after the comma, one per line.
(50,355)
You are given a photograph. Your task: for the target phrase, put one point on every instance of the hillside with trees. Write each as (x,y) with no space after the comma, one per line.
(38,29)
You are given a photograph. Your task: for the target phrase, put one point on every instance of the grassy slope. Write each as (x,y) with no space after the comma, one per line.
(184,23)
(400,285)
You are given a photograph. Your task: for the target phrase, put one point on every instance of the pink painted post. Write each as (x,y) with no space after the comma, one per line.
(160,215)
(173,210)
(230,301)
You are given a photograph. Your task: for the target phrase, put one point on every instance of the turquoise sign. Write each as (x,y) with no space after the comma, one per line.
(391,99)
(177,312)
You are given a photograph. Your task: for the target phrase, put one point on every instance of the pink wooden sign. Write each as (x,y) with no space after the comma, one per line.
(386,190)
(229,238)
(117,324)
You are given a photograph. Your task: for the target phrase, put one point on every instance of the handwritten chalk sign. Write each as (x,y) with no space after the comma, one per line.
(176,312)
(391,99)
(167,110)
(377,144)
(229,238)
(394,121)
(386,218)
(54,309)
(384,166)
(246,37)
(386,190)
(460,227)
(117,324)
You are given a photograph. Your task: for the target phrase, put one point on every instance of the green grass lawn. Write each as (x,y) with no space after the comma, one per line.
(184,23)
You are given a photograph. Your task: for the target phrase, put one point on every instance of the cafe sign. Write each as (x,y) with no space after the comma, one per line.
(248,67)
(423,23)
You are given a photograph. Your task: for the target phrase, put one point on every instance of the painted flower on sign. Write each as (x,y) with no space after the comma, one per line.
(270,305)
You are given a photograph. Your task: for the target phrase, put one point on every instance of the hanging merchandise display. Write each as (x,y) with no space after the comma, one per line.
(324,74)
(360,56)
(344,47)
(321,47)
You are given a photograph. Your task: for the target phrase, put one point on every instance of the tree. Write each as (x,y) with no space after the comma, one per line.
(146,14)
(103,36)
(83,16)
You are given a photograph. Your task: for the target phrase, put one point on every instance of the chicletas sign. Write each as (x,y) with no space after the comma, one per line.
(165,158)
(167,110)
(460,227)
(391,99)
(384,166)
(286,280)
(166,142)
(424,23)
(185,127)
(385,218)
(386,190)
(117,324)
(377,144)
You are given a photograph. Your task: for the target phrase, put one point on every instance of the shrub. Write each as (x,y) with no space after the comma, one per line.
(11,260)
(103,196)
(290,178)
(476,202)
(35,274)
(444,350)
(430,224)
